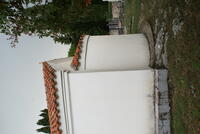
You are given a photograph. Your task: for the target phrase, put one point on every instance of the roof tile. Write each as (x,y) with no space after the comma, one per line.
(50,86)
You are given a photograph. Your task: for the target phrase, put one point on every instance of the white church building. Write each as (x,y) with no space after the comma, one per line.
(107,88)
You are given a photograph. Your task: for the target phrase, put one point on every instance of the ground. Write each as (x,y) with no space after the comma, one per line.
(176,33)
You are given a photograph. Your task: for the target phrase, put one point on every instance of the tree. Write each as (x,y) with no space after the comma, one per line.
(44,122)
(63,20)
(44,130)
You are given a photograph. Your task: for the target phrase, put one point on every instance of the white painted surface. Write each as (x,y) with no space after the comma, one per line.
(83,53)
(60,100)
(115,52)
(61,64)
(112,102)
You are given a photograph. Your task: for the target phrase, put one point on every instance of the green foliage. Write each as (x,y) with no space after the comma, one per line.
(72,50)
(44,130)
(44,122)
(63,20)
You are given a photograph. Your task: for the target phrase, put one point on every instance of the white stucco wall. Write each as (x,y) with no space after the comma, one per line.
(119,102)
(60,100)
(61,64)
(115,52)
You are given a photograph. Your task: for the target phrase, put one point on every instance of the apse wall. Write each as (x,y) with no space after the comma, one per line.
(115,52)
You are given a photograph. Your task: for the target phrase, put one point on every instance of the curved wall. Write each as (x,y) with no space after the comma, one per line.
(115,52)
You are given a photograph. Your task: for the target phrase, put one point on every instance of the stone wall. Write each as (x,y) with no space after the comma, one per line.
(115,24)
(162,107)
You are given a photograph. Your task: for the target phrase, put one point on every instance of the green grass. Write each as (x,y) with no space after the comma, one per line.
(184,69)
(132,13)
(178,126)
(183,56)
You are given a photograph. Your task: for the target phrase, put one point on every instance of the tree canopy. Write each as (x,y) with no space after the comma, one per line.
(44,122)
(63,20)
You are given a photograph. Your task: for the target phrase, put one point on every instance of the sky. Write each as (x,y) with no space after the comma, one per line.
(22,87)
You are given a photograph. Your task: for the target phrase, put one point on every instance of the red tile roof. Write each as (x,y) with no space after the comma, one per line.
(75,62)
(50,86)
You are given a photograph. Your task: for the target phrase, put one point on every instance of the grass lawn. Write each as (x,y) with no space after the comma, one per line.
(180,21)
(131,17)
